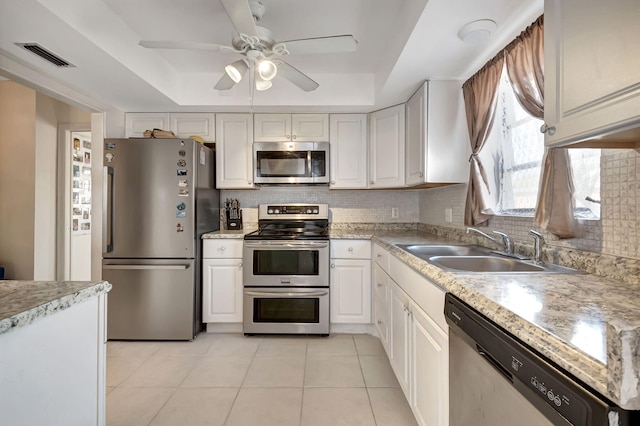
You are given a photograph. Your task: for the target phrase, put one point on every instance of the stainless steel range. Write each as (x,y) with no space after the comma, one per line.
(286,271)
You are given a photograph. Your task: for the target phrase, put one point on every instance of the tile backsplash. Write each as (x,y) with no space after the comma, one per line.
(346,206)
(617,233)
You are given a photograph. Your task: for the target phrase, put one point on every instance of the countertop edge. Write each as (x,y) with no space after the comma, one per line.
(52,306)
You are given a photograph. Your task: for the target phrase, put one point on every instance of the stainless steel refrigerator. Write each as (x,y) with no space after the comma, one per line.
(159,199)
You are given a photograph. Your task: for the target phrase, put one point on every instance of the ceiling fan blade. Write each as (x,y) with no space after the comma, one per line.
(241,16)
(225,83)
(296,76)
(190,45)
(331,44)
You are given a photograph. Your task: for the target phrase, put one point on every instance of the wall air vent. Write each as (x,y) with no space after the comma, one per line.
(45,54)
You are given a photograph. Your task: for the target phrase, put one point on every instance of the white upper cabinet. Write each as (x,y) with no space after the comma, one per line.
(291,127)
(387,147)
(592,71)
(437,146)
(348,138)
(135,123)
(234,160)
(183,124)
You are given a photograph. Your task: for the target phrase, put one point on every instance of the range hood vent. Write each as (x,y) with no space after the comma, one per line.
(47,55)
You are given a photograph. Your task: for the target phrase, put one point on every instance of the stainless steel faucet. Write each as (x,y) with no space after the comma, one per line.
(506,241)
(538,241)
(507,246)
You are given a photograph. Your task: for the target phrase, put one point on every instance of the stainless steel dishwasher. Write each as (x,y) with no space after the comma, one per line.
(497,380)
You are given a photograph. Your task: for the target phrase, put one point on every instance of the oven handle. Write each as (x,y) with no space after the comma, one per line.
(292,244)
(274,293)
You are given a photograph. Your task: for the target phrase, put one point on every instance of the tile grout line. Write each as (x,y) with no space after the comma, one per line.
(235,399)
(366,387)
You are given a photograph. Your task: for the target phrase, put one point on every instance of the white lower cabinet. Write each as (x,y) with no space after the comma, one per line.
(400,336)
(410,325)
(429,370)
(222,281)
(350,282)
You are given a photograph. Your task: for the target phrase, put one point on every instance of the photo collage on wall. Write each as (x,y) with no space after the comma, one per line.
(81,186)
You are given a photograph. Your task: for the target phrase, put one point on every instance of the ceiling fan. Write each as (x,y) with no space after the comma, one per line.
(262,54)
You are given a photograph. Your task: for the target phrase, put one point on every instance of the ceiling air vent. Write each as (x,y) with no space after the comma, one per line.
(45,54)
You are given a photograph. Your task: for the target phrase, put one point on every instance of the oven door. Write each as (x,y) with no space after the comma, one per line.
(285,310)
(286,263)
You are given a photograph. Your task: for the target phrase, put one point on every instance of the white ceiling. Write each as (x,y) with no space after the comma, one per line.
(400,44)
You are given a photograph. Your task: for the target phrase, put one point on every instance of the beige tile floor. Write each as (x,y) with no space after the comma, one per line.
(232,380)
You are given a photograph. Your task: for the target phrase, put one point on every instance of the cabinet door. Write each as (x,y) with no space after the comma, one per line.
(381,323)
(592,77)
(416,140)
(350,291)
(348,138)
(386,148)
(234,164)
(222,290)
(429,370)
(185,124)
(272,127)
(135,123)
(310,127)
(399,336)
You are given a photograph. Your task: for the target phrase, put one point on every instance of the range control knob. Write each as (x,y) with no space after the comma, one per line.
(308,211)
(315,211)
(269,211)
(276,211)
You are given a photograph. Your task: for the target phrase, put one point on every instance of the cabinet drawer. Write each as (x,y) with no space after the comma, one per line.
(381,324)
(222,249)
(380,285)
(381,257)
(350,249)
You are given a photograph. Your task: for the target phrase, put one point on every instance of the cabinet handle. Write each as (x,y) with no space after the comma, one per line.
(333,265)
(379,256)
(249,182)
(350,248)
(420,174)
(551,130)
(370,182)
(223,248)
(379,322)
(294,136)
(333,182)
(379,285)
(288,136)
(240,265)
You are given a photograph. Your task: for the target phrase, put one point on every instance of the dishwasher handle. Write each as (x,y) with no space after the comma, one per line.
(494,363)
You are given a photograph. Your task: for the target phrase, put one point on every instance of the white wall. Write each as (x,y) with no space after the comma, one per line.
(17,179)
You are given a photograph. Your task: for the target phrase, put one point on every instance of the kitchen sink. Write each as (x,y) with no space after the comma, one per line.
(485,264)
(477,259)
(426,251)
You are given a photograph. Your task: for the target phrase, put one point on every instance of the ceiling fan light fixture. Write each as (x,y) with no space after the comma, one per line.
(263,84)
(236,70)
(267,69)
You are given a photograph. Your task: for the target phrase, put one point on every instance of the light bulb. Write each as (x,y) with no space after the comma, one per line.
(262,84)
(267,69)
(236,70)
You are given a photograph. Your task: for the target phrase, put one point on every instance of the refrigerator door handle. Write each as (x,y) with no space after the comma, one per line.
(107,210)
(145,266)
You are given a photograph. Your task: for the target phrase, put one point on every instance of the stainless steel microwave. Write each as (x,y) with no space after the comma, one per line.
(291,162)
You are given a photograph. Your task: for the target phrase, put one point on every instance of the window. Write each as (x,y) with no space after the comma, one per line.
(520,152)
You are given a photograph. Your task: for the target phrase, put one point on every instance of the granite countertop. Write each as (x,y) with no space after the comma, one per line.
(586,324)
(23,302)
(224,233)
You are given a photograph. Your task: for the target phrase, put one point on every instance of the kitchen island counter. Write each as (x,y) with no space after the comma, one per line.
(586,324)
(23,302)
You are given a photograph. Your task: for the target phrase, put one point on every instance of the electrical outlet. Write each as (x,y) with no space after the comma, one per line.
(448,215)
(395,212)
